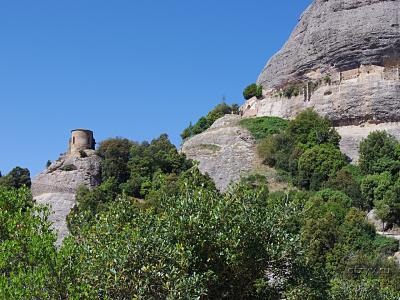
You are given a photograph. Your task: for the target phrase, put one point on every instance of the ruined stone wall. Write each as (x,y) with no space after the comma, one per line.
(367,93)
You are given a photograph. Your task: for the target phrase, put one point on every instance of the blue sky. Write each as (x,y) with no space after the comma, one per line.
(132,69)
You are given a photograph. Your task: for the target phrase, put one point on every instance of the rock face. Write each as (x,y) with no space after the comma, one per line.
(56,186)
(352,136)
(342,60)
(225,151)
(337,35)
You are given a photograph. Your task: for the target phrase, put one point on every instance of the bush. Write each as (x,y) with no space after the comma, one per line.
(253,90)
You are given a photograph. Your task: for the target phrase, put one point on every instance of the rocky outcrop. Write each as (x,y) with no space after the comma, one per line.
(225,151)
(56,186)
(334,36)
(343,61)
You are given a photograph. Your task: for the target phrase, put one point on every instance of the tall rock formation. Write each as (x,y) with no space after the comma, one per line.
(342,60)
(337,35)
(56,186)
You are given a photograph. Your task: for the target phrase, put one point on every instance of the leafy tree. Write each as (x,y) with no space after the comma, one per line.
(115,153)
(309,129)
(253,90)
(374,187)
(284,150)
(346,181)
(18,177)
(318,164)
(378,153)
(197,243)
(27,251)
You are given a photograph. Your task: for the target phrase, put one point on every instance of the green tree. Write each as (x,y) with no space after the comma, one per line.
(27,252)
(374,187)
(346,181)
(309,129)
(378,153)
(18,177)
(115,153)
(318,164)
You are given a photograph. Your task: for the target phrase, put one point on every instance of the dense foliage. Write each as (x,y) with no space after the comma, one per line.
(245,244)
(307,149)
(156,228)
(206,121)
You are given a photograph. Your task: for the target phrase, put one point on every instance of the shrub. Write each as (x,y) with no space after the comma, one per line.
(252,90)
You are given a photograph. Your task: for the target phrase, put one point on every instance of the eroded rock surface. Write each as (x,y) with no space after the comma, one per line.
(337,35)
(343,61)
(225,151)
(56,186)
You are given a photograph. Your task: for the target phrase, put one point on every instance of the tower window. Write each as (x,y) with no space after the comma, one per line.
(73,140)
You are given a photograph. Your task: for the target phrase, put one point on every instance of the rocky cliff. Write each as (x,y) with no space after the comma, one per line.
(342,60)
(56,186)
(337,35)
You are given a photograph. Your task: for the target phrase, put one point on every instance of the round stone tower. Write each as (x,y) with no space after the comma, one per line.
(81,139)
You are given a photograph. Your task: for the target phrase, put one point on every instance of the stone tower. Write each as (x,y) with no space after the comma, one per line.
(81,139)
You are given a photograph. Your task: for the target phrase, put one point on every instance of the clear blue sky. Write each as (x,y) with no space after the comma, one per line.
(126,68)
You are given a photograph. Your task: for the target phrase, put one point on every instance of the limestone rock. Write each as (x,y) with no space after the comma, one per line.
(225,151)
(342,60)
(337,35)
(56,186)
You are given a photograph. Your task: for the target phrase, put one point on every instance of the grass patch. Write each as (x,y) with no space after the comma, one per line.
(263,127)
